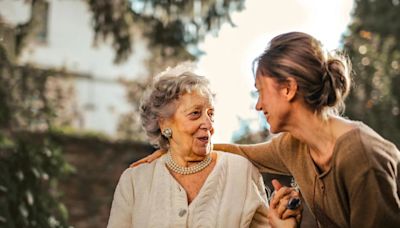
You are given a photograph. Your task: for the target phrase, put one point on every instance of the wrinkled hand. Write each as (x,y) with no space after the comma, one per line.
(277,222)
(156,154)
(280,199)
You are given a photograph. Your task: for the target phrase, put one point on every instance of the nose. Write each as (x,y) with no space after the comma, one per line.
(207,123)
(258,105)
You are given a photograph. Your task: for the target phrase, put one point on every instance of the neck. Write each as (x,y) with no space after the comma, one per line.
(319,134)
(185,159)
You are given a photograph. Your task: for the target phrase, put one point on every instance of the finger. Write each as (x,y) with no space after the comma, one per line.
(136,163)
(294,203)
(284,192)
(272,217)
(281,193)
(155,155)
(277,185)
(298,218)
(287,208)
(150,158)
(281,207)
(289,213)
(295,193)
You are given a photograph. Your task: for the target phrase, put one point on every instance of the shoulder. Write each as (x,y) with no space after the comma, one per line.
(377,149)
(365,141)
(232,159)
(362,147)
(369,138)
(283,138)
(146,167)
(238,164)
(140,172)
(289,149)
(286,143)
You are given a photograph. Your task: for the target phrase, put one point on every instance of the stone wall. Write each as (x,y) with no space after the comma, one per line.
(88,192)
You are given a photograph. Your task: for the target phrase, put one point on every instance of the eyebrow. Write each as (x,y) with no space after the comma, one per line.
(197,106)
(191,107)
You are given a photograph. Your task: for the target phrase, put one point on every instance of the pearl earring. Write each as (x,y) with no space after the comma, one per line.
(167,133)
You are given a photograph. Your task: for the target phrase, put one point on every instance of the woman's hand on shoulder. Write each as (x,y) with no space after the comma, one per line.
(148,159)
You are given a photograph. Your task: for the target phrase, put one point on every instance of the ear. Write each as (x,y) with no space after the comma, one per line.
(290,89)
(162,122)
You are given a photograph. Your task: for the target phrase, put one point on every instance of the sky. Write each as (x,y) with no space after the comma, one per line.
(228,59)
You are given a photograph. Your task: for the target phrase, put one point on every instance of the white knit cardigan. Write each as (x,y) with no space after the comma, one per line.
(232,196)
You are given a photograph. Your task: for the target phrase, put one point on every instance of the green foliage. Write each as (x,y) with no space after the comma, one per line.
(30,169)
(379,17)
(173,25)
(30,166)
(374,47)
(24,104)
(70,131)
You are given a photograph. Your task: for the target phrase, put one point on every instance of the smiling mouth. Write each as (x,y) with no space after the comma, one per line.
(203,139)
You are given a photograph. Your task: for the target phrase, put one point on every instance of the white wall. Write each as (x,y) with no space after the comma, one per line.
(70,46)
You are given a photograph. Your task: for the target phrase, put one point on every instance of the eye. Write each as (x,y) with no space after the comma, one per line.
(211,115)
(195,114)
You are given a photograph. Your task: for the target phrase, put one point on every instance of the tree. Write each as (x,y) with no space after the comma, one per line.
(29,168)
(175,25)
(373,43)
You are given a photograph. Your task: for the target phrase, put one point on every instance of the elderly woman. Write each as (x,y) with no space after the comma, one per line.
(191,185)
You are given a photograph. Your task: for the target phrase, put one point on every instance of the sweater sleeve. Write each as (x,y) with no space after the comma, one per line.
(122,205)
(260,218)
(374,201)
(374,190)
(266,156)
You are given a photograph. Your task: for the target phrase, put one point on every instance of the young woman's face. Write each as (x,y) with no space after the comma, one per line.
(272,102)
(192,125)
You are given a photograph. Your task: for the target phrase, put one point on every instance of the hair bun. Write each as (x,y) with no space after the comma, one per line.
(335,82)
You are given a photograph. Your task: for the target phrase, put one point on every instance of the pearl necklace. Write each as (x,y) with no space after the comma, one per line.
(172,165)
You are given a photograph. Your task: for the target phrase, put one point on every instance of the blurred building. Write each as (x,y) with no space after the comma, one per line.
(64,41)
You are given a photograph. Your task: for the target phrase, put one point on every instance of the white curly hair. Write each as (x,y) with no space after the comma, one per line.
(161,99)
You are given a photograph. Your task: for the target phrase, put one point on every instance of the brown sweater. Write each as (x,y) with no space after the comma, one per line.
(361,187)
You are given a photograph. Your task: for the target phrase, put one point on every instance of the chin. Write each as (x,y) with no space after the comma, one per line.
(203,151)
(274,130)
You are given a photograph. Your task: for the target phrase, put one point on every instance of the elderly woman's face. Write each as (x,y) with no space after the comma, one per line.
(192,124)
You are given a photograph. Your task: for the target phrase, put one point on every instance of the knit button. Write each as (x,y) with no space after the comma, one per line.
(182,212)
